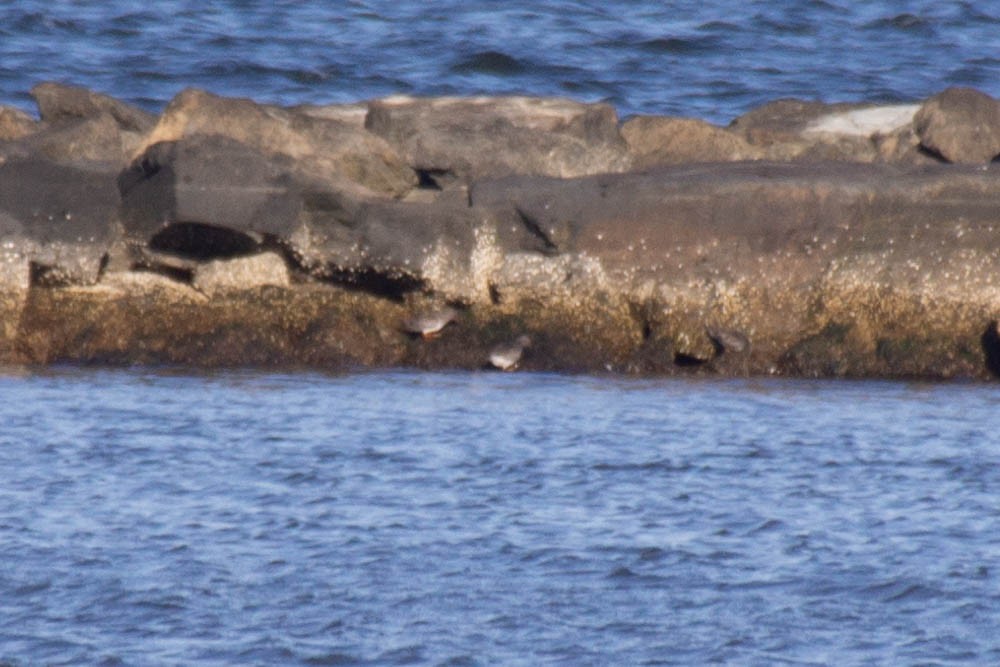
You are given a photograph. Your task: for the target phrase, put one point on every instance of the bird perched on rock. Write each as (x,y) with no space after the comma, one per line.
(507,356)
(430,324)
(727,340)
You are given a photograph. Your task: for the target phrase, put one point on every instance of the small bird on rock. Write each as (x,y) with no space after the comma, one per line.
(430,324)
(727,340)
(507,356)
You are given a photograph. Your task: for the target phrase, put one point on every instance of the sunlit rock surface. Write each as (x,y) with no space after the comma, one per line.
(805,239)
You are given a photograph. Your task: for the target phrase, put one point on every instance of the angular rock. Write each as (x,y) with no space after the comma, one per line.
(659,140)
(97,140)
(212,181)
(211,197)
(15,124)
(59,103)
(329,151)
(389,247)
(962,125)
(452,141)
(66,218)
(80,126)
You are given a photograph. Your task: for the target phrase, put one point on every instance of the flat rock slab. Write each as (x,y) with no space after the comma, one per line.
(459,140)
(63,219)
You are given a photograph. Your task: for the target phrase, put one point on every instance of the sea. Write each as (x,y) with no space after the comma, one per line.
(174,516)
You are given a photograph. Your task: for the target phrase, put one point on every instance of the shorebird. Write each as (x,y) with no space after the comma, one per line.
(429,324)
(507,356)
(727,340)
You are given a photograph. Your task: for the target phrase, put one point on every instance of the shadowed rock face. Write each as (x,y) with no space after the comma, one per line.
(59,219)
(248,234)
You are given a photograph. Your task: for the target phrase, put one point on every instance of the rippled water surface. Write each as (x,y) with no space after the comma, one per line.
(479,519)
(712,59)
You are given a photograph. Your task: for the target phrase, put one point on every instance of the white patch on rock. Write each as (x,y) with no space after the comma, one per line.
(865,122)
(266,268)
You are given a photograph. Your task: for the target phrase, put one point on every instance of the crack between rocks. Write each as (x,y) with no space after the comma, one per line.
(533,227)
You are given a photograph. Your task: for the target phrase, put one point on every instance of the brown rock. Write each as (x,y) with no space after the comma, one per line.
(80,126)
(807,131)
(456,140)
(58,103)
(659,140)
(331,151)
(961,125)
(15,124)
(901,258)
(97,139)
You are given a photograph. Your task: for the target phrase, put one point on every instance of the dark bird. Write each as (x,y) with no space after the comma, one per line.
(727,340)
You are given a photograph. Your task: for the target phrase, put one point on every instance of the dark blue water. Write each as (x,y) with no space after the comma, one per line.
(480,519)
(712,59)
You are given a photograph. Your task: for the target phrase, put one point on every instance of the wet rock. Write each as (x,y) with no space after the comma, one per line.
(452,141)
(323,149)
(659,140)
(64,219)
(15,124)
(962,125)
(241,273)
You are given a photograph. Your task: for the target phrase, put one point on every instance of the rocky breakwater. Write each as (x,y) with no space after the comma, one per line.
(803,239)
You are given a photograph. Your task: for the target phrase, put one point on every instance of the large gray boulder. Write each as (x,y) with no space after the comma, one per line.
(328,150)
(211,181)
(211,197)
(60,219)
(962,125)
(457,140)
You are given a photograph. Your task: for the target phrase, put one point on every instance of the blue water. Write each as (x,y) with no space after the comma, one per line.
(151,518)
(712,59)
